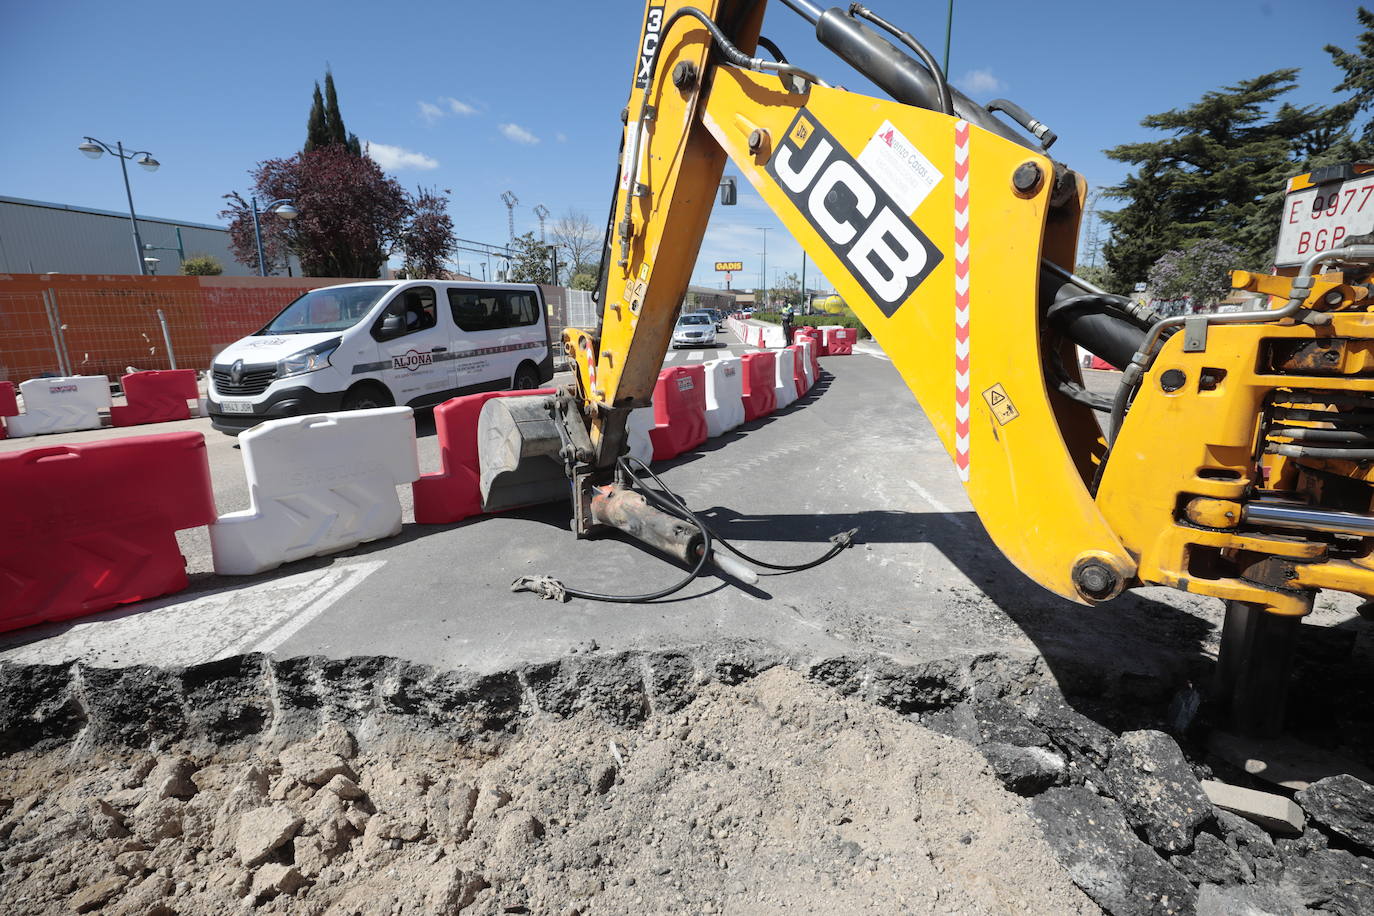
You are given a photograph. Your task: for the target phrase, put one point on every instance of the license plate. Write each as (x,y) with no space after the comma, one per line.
(1317,219)
(236,406)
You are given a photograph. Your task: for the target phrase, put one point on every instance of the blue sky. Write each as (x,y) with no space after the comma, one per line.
(484,97)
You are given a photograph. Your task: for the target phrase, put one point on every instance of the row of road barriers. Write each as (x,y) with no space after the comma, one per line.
(830,339)
(93,526)
(74,403)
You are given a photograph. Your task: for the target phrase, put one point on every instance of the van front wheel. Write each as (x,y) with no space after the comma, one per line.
(367,397)
(526,378)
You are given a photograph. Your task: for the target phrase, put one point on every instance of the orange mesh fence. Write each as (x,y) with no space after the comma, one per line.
(101,325)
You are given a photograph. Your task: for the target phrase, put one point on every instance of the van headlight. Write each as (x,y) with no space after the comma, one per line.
(308,360)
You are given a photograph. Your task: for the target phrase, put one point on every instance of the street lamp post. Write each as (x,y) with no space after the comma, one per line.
(95,148)
(180,249)
(553,256)
(763,266)
(283,209)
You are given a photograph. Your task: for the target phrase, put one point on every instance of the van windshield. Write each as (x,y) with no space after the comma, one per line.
(333,308)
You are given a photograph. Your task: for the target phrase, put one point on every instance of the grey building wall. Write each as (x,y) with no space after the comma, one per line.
(40,237)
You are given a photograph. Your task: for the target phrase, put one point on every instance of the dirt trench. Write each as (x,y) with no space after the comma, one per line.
(718,781)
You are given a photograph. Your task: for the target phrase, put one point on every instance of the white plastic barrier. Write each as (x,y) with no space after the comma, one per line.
(808,352)
(637,433)
(784,385)
(772,337)
(724,395)
(316,485)
(60,405)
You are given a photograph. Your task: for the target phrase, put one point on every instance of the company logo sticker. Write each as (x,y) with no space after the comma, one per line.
(412,360)
(685,383)
(870,233)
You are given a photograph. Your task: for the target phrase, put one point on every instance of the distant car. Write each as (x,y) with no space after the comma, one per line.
(694,330)
(718,316)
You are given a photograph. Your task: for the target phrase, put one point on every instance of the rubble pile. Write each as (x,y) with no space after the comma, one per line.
(721,780)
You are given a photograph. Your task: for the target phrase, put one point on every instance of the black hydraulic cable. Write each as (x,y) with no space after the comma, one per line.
(549,587)
(670,501)
(773,49)
(906,38)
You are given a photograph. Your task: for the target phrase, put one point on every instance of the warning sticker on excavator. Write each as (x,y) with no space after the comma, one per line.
(1002,407)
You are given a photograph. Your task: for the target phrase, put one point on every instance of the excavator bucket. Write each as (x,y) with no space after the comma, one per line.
(519,453)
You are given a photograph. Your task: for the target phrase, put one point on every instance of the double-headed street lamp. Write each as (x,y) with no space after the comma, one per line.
(282,208)
(95,148)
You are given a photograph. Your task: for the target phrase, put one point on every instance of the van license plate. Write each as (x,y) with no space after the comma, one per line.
(236,406)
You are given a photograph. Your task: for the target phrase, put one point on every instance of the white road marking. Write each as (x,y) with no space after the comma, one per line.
(696,354)
(176,630)
(936,504)
(874,353)
(670,356)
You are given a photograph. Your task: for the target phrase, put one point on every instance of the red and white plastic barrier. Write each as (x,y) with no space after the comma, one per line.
(90,527)
(637,429)
(810,365)
(799,374)
(784,378)
(9,405)
(60,405)
(157,396)
(453,494)
(724,395)
(758,375)
(317,484)
(679,411)
(839,341)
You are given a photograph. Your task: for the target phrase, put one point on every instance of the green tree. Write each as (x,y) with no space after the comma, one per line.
(325,126)
(1220,174)
(583,279)
(1358,67)
(333,119)
(531,263)
(316,131)
(201,265)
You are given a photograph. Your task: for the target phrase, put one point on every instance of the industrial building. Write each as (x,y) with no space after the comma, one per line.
(40,237)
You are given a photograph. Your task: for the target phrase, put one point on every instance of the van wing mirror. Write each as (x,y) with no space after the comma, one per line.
(392,325)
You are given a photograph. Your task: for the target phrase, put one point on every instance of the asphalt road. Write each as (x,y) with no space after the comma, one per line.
(923,583)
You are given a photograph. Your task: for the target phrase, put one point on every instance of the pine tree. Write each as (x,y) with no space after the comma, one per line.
(316,131)
(333,118)
(1359,74)
(1220,174)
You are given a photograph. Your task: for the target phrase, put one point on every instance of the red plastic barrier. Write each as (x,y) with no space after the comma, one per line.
(817,348)
(815,334)
(452,494)
(759,397)
(840,341)
(90,527)
(156,396)
(9,406)
(679,411)
(798,369)
(1100,363)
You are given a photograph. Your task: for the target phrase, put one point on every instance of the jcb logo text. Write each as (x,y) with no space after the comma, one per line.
(877,242)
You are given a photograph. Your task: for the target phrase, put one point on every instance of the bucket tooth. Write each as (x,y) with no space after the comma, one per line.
(518,453)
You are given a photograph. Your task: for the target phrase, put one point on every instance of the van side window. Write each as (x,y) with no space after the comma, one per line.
(418,309)
(492,310)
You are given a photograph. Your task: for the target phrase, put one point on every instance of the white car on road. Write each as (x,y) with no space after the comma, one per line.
(694,330)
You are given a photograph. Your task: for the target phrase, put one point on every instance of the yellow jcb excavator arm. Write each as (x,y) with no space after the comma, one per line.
(1238,461)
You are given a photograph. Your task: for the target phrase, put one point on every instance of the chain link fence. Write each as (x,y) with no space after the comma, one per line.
(568,308)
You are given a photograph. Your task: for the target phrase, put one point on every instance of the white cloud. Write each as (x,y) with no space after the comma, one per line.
(979,82)
(518,134)
(457,107)
(395,158)
(561,138)
(430,113)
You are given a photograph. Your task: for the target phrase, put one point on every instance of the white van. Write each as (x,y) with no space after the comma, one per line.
(379,343)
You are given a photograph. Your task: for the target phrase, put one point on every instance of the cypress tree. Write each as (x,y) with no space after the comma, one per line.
(338,134)
(316,130)
(1359,74)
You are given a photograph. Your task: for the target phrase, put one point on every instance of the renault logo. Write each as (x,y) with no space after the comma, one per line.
(236,372)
